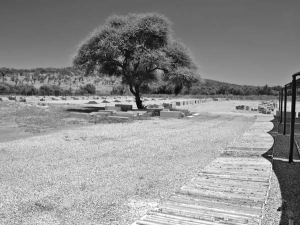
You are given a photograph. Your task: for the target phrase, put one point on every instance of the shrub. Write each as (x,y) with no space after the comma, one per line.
(45,90)
(4,88)
(88,89)
(119,90)
(27,89)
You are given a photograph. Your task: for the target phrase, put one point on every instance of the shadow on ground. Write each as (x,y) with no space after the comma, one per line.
(288,174)
(88,109)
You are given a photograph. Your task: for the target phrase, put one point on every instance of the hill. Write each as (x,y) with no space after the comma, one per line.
(71,80)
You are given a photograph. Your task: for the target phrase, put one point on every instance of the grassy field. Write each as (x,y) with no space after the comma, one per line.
(106,173)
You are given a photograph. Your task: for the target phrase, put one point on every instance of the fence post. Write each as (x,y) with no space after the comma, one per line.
(279,96)
(292,119)
(281,100)
(285,103)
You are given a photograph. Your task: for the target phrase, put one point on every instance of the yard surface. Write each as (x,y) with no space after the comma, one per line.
(109,173)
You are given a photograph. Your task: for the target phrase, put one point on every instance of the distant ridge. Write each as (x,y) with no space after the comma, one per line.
(69,77)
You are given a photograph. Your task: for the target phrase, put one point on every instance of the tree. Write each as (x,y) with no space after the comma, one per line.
(3,72)
(89,88)
(45,90)
(138,48)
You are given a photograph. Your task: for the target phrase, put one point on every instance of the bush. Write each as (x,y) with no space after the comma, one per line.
(4,88)
(27,89)
(88,89)
(119,90)
(45,90)
(54,90)
(80,92)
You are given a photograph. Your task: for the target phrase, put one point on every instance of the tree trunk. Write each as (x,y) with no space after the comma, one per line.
(136,93)
(139,102)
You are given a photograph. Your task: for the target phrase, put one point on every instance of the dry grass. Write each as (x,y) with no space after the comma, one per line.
(32,118)
(108,173)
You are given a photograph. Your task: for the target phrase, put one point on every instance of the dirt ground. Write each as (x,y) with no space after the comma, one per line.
(80,173)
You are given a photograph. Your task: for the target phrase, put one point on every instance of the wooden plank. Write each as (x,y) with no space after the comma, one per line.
(203,211)
(235,173)
(216,205)
(239,167)
(196,192)
(209,215)
(235,193)
(236,183)
(242,160)
(182,220)
(225,188)
(236,177)
(231,201)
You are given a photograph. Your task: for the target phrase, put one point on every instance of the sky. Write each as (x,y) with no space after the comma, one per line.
(251,42)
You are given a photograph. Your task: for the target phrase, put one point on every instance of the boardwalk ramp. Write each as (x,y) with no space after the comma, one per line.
(231,190)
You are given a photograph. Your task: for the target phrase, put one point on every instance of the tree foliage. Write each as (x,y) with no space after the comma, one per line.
(138,48)
(88,89)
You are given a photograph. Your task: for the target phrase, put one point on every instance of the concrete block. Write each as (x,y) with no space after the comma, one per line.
(101,113)
(138,112)
(173,105)
(111,112)
(12,98)
(184,111)
(114,108)
(84,116)
(3,99)
(118,117)
(124,107)
(22,100)
(124,114)
(171,114)
(155,112)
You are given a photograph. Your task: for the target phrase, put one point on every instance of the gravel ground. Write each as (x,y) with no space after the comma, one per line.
(108,173)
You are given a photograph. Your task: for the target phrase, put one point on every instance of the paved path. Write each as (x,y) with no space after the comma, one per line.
(231,190)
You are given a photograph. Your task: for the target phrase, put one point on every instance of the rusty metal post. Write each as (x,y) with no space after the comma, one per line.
(293,109)
(285,103)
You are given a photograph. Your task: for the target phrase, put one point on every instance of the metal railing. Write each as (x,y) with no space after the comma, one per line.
(283,110)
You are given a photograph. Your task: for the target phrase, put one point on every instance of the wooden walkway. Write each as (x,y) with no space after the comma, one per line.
(231,190)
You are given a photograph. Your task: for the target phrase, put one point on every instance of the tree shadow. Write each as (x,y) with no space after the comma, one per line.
(288,174)
(88,109)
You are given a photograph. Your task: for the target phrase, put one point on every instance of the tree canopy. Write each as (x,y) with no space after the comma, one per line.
(140,49)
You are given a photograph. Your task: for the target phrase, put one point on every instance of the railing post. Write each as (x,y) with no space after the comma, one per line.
(285,103)
(279,96)
(281,100)
(292,119)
